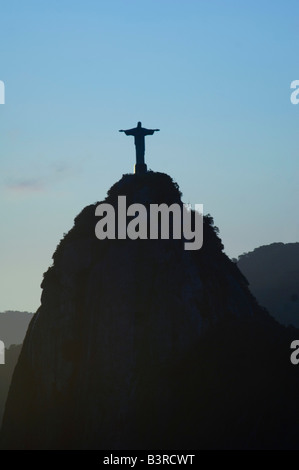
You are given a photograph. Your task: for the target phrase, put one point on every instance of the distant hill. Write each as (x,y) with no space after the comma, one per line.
(13,326)
(6,371)
(273,275)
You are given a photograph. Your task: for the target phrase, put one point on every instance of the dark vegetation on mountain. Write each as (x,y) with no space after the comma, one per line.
(144,345)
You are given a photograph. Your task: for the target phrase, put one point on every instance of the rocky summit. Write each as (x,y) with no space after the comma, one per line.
(141,344)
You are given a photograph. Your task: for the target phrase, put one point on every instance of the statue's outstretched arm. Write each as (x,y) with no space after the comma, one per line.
(129,131)
(149,131)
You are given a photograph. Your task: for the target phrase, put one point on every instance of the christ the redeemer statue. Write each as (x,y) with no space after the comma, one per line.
(139,133)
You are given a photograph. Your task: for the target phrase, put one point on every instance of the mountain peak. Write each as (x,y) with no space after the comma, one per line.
(139,343)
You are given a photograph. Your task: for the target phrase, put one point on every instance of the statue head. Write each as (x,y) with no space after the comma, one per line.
(139,124)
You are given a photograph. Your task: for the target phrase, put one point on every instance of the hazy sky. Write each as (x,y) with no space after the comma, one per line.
(214,76)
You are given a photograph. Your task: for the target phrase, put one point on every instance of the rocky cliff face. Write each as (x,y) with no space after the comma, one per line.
(141,345)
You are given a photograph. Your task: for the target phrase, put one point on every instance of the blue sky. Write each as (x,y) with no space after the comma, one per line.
(214,76)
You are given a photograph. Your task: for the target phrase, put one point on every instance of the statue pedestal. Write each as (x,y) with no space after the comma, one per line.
(140,168)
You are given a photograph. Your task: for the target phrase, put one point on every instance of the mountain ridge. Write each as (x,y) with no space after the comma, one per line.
(273,274)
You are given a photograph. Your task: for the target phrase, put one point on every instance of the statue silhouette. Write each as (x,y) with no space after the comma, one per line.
(139,133)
